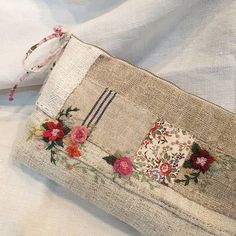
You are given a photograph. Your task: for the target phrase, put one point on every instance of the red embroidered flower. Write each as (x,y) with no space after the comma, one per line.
(146,141)
(202,160)
(123,166)
(79,134)
(154,127)
(54,131)
(165,169)
(73,151)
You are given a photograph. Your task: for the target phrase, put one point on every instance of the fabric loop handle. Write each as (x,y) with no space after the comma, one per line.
(63,39)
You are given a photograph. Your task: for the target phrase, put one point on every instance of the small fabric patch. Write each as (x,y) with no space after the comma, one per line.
(163,152)
(119,124)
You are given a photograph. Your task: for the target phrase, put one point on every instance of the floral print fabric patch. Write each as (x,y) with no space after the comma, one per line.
(163,152)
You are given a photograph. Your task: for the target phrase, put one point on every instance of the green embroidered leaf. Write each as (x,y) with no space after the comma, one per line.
(75,109)
(46,140)
(186,176)
(175,170)
(172,175)
(110,159)
(66,113)
(196,180)
(196,148)
(45,126)
(59,142)
(178,180)
(186,182)
(194,174)
(70,109)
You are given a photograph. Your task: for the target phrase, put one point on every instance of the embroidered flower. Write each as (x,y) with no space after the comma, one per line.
(199,162)
(165,169)
(57,135)
(54,131)
(202,160)
(147,141)
(79,134)
(123,166)
(156,175)
(73,151)
(154,127)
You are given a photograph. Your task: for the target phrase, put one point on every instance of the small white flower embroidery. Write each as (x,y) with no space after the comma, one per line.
(55,132)
(201,161)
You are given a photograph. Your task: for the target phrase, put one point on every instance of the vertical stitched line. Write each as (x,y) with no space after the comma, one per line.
(107,105)
(94,106)
(100,106)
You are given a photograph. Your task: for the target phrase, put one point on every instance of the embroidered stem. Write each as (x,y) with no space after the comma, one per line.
(194,176)
(53,160)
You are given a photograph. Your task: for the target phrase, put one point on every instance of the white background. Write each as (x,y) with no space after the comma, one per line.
(191,43)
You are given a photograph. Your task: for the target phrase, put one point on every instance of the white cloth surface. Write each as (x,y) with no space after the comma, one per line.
(191,43)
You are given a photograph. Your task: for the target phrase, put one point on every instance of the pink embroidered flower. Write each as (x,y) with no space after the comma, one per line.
(54,131)
(202,160)
(165,169)
(79,134)
(123,166)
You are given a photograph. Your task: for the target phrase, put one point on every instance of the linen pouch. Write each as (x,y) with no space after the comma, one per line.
(133,144)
